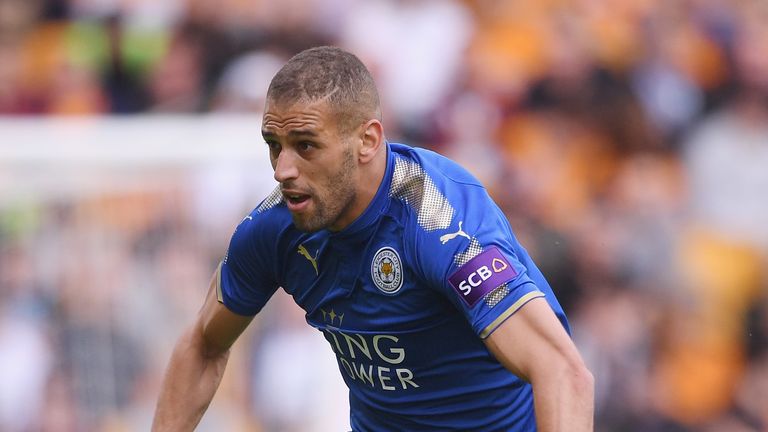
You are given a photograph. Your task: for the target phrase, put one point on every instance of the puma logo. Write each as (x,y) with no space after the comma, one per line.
(448,237)
(313,260)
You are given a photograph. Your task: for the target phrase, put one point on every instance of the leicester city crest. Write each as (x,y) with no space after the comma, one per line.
(387,270)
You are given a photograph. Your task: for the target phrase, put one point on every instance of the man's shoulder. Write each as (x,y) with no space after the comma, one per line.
(442,171)
(270,218)
(429,176)
(272,203)
(439,191)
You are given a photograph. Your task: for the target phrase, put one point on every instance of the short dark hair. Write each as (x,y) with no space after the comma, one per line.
(333,74)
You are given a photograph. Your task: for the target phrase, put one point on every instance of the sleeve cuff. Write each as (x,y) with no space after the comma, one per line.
(509,312)
(219,294)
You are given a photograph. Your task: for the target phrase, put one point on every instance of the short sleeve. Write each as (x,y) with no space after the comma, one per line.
(246,280)
(476,262)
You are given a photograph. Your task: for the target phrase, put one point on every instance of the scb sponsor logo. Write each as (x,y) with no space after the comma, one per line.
(475,279)
(481,275)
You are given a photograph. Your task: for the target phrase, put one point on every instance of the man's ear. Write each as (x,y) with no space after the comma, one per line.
(372,137)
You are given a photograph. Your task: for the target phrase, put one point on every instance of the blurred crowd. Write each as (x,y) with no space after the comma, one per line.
(627,141)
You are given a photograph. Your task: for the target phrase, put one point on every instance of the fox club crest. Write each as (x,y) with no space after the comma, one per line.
(387,270)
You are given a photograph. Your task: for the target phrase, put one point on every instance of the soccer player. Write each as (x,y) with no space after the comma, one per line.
(438,317)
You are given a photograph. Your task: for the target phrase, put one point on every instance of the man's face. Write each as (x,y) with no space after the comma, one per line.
(314,162)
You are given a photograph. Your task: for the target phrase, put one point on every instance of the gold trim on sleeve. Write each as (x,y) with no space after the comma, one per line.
(507,313)
(219,295)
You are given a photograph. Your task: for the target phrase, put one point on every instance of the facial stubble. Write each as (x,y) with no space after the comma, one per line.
(340,196)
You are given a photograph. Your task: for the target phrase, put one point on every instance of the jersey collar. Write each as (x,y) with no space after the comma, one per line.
(378,204)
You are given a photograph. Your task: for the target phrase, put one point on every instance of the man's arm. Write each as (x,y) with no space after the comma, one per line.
(197,365)
(534,346)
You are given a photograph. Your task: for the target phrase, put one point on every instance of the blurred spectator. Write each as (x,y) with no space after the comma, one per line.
(414,60)
(243,85)
(12,98)
(727,153)
(26,355)
(176,83)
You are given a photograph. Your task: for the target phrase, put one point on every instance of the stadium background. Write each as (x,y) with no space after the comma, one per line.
(627,141)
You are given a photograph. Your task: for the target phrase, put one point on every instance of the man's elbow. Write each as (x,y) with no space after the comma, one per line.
(566,373)
(579,379)
(194,340)
(585,382)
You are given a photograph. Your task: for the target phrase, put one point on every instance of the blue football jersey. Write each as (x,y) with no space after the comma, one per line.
(404,295)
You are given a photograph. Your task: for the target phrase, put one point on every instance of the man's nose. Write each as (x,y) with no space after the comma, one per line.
(285,167)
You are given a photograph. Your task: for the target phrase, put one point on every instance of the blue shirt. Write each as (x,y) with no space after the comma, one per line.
(404,295)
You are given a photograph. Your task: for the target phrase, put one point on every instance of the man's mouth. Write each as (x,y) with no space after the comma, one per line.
(296,198)
(296,201)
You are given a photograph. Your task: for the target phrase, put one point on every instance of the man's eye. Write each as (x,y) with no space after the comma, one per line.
(305,145)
